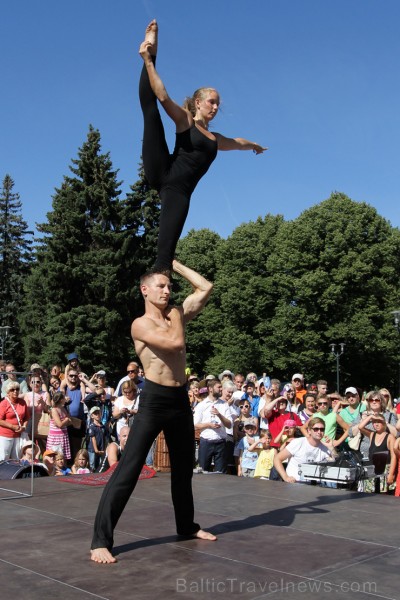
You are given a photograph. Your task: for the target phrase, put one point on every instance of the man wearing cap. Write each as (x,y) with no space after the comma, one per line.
(354,408)
(298,382)
(100,379)
(212,417)
(159,338)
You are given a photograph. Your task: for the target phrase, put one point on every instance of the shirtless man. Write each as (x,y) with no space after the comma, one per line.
(159,338)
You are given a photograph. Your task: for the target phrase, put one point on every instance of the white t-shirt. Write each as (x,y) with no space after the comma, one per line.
(119,403)
(202,414)
(302,452)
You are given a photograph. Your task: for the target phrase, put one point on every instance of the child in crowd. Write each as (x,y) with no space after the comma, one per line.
(97,439)
(81,463)
(247,458)
(49,461)
(61,466)
(265,459)
(26,453)
(287,434)
(59,421)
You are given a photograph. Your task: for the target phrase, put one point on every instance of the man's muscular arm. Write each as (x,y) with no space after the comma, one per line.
(202,288)
(170,339)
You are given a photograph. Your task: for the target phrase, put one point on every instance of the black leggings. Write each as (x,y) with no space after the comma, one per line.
(156,164)
(161,408)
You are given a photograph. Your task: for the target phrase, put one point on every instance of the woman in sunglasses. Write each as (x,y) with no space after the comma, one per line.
(376,405)
(245,415)
(380,452)
(38,400)
(304,450)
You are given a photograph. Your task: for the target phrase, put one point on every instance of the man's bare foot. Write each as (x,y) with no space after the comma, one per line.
(102,555)
(205,535)
(151,36)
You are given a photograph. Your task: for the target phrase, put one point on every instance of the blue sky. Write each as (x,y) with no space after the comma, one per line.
(315,80)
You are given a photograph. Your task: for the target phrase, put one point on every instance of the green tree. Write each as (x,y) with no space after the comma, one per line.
(74,297)
(15,260)
(140,216)
(336,269)
(198,250)
(246,290)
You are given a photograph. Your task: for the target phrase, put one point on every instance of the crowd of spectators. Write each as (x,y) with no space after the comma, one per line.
(261,427)
(78,423)
(247,426)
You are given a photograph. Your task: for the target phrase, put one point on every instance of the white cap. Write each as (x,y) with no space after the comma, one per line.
(351,390)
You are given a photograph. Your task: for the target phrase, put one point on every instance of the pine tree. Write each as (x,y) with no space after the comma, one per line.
(15,259)
(140,224)
(74,297)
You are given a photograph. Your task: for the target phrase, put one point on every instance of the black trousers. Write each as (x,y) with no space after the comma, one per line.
(156,164)
(165,409)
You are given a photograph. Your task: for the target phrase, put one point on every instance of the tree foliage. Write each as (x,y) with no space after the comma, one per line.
(199,250)
(283,291)
(79,295)
(15,260)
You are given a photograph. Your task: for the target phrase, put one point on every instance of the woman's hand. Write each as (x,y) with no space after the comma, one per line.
(257,149)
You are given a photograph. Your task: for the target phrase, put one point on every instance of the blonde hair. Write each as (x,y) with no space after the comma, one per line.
(190,101)
(85,454)
(389,403)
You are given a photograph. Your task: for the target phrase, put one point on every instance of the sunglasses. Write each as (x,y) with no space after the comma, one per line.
(318,429)
(322,404)
(133,371)
(374,400)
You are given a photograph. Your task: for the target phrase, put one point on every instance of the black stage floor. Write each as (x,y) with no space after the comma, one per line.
(276,540)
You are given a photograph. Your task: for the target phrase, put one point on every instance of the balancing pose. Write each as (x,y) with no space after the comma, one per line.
(159,337)
(176,176)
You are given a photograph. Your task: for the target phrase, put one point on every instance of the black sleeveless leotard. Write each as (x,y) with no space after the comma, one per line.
(175,175)
(193,155)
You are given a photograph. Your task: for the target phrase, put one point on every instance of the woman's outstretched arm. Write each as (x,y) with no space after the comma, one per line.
(225,143)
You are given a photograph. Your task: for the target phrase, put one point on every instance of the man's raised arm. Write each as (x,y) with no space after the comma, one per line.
(202,288)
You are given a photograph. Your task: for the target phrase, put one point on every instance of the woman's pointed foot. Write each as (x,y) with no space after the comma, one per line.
(151,36)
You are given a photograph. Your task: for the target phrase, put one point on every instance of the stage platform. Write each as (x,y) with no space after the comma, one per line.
(275,540)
